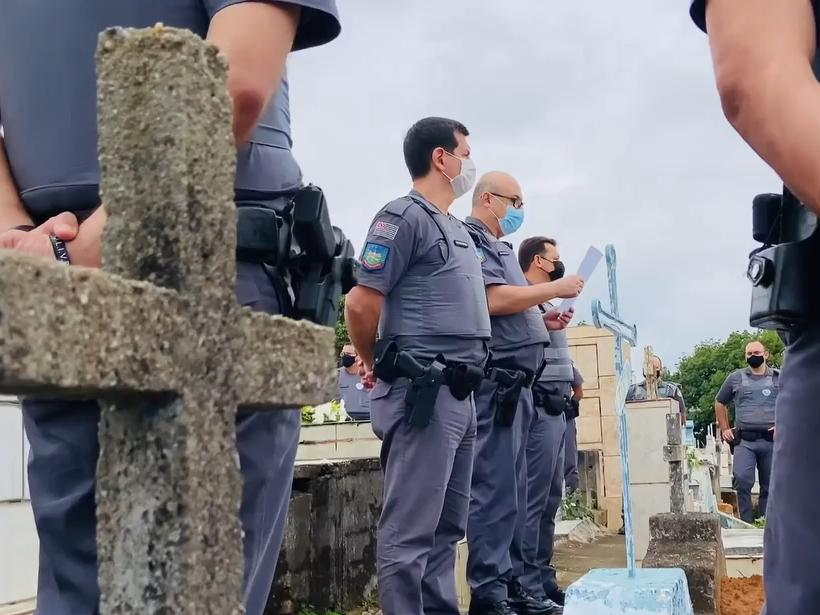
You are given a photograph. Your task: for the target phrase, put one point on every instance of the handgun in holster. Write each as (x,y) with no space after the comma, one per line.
(310,261)
(425,380)
(510,383)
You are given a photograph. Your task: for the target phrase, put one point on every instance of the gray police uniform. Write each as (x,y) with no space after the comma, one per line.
(48,113)
(571,442)
(425,264)
(355,397)
(754,399)
(792,537)
(499,485)
(545,468)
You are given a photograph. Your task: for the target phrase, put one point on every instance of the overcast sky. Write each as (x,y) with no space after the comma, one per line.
(605,111)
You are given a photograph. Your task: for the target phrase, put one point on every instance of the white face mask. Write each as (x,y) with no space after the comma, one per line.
(464,181)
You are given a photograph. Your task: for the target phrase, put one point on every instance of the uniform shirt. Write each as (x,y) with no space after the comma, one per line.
(670,390)
(577,378)
(501,267)
(398,244)
(48,94)
(726,394)
(355,396)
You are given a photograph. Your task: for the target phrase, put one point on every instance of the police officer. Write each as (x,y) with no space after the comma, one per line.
(763,52)
(571,480)
(355,395)
(49,173)
(670,390)
(504,404)
(753,391)
(552,392)
(420,287)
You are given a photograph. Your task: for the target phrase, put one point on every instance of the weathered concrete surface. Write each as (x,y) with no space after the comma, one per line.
(578,530)
(328,559)
(572,560)
(157,336)
(614,592)
(692,542)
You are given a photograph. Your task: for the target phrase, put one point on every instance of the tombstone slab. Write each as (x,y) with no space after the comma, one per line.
(693,543)
(614,592)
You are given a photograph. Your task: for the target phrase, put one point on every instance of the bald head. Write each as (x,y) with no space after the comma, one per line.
(657,365)
(496,182)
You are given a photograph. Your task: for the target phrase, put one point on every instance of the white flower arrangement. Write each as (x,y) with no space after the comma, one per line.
(330,412)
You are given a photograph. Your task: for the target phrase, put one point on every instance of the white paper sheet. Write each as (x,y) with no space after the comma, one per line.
(585,271)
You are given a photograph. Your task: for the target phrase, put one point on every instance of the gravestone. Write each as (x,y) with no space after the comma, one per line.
(673,454)
(157,335)
(692,542)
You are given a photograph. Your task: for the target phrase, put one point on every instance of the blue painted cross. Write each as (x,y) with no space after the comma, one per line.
(611,320)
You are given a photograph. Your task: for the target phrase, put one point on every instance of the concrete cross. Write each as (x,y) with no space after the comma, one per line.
(157,335)
(624,332)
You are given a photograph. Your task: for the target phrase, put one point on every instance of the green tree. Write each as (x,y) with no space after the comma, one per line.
(702,373)
(341,327)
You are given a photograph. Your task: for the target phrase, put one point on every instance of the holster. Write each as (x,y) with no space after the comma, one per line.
(573,410)
(420,400)
(310,262)
(554,404)
(463,379)
(510,382)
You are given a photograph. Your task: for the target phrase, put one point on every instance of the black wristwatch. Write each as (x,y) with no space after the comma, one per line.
(57,244)
(60,250)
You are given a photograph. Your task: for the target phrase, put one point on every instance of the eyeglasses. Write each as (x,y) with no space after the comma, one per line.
(516,202)
(547,258)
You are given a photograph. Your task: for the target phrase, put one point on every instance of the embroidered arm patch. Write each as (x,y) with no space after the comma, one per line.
(374,256)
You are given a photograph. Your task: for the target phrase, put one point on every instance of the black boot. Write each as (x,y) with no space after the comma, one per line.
(557,596)
(525,603)
(478,607)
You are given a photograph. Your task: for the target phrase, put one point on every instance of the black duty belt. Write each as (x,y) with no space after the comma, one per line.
(426,377)
(751,435)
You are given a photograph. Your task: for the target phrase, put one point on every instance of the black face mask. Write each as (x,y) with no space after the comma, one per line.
(755,361)
(558,272)
(348,360)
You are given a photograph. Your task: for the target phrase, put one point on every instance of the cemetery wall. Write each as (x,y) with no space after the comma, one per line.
(328,560)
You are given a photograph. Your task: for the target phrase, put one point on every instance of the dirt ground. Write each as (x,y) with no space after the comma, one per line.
(742,596)
(573,560)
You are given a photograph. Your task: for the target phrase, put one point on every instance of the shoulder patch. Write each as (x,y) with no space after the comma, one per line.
(385,229)
(374,256)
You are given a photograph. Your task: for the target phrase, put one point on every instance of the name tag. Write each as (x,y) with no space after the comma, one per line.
(460,244)
(503,252)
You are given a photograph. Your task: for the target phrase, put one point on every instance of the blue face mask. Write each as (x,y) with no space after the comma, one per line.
(512,220)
